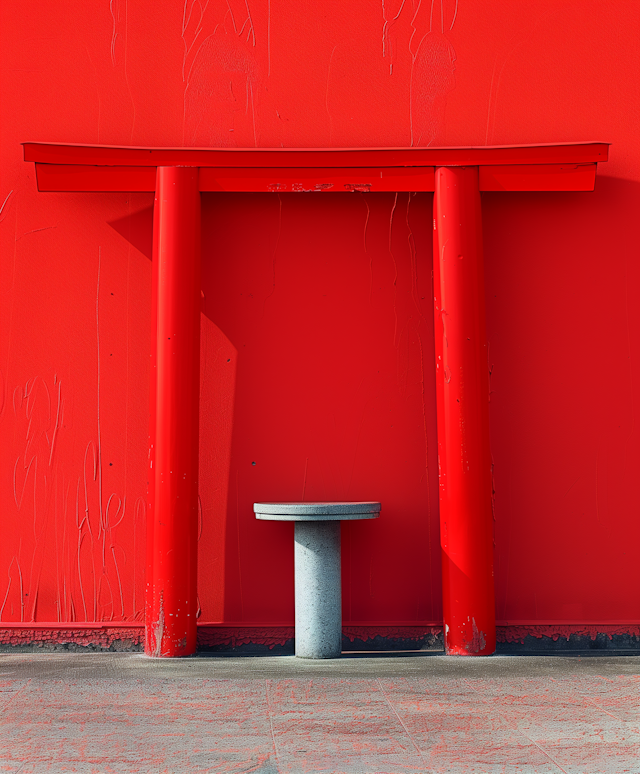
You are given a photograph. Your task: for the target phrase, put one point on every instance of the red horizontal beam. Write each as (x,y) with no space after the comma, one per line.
(77,178)
(556,153)
(71,177)
(537,177)
(332,179)
(518,177)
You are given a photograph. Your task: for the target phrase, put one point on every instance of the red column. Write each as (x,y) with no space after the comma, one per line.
(170,616)
(462,376)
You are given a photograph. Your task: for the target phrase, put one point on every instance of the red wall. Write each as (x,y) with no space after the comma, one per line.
(317,345)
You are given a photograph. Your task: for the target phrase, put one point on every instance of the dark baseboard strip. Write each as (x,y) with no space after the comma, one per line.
(559,639)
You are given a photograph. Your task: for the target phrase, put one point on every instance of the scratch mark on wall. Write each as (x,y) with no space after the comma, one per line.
(395,267)
(492,96)
(364,237)
(114,8)
(455,16)
(15,561)
(253,113)
(89,532)
(120,509)
(119,41)
(21,581)
(26,471)
(189,19)
(99,455)
(104,600)
(126,71)
(93,534)
(81,537)
(250,22)
(3,214)
(517,40)
(393,209)
(139,519)
(60,523)
(416,10)
(58,421)
(388,48)
(34,231)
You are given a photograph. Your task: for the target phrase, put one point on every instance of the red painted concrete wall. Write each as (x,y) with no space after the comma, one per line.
(317,345)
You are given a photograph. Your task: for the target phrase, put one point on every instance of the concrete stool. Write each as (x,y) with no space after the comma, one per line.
(317,569)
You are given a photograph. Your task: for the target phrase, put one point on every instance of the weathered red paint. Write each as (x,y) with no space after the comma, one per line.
(173,517)
(562,333)
(462,383)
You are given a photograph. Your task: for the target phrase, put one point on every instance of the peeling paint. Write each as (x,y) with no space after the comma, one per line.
(158,629)
(478,641)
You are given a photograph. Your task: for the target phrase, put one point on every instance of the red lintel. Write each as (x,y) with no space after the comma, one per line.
(514,177)
(86,168)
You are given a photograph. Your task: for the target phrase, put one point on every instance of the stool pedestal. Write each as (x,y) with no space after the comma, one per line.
(318,591)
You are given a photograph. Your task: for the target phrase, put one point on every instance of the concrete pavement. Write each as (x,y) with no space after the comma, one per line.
(362,714)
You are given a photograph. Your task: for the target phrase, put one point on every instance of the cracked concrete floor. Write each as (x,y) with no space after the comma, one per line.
(364,713)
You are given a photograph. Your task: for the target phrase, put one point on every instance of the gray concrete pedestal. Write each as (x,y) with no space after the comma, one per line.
(318,592)
(318,589)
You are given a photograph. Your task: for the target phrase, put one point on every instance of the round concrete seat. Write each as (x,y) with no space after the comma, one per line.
(316,511)
(318,592)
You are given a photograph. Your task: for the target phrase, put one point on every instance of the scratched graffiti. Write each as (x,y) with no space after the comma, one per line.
(66,565)
(221,75)
(65,561)
(433,60)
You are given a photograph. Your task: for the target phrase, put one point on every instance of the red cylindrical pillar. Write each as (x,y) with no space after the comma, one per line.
(462,384)
(171,603)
